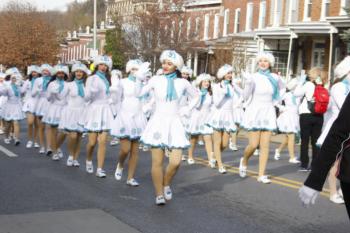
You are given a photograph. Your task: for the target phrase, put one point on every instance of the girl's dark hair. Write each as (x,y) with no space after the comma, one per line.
(108,76)
(338,80)
(8,78)
(209,88)
(178,73)
(72,77)
(53,78)
(30,77)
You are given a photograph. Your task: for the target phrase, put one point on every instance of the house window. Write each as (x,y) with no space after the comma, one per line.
(226,21)
(249,18)
(197,26)
(262,14)
(325,9)
(343,5)
(206,27)
(277,13)
(307,10)
(293,11)
(188,28)
(318,54)
(216,26)
(237,20)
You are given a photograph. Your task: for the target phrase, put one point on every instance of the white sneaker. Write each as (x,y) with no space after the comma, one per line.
(337,199)
(277,155)
(264,180)
(42,150)
(340,192)
(100,173)
(200,143)
(212,163)
(17,142)
(190,161)
(232,146)
(222,170)
(29,144)
(118,173)
(60,153)
(183,158)
(145,148)
(294,161)
(168,194)
(256,152)
(167,153)
(160,200)
(1,131)
(76,163)
(70,161)
(55,157)
(114,142)
(132,182)
(242,169)
(89,167)
(36,145)
(7,141)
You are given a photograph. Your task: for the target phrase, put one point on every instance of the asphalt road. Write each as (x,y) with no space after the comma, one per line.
(40,195)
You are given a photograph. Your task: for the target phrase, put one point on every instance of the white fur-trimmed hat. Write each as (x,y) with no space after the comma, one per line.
(343,68)
(48,68)
(103,60)
(203,77)
(266,55)
(33,68)
(187,70)
(117,73)
(172,56)
(133,64)
(12,71)
(225,69)
(82,67)
(61,68)
(292,84)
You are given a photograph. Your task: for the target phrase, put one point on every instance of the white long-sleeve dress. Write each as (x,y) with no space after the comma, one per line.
(288,120)
(31,97)
(12,108)
(40,89)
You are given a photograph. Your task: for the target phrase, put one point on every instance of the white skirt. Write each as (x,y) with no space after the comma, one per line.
(12,112)
(126,126)
(165,131)
(259,117)
(288,122)
(53,115)
(238,115)
(197,124)
(41,107)
(29,105)
(70,119)
(222,120)
(97,118)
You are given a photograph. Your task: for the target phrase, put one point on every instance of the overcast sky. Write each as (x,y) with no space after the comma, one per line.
(44,4)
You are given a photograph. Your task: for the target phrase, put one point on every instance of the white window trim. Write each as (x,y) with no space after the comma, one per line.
(342,6)
(226,22)
(236,19)
(206,27)
(216,26)
(247,22)
(261,12)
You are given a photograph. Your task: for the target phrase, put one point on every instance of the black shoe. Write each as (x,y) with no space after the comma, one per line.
(49,152)
(302,169)
(17,142)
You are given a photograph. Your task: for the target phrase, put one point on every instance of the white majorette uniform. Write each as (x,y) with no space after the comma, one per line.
(12,109)
(31,98)
(73,111)
(3,99)
(40,88)
(221,117)
(237,102)
(98,114)
(197,124)
(288,120)
(338,93)
(264,89)
(131,121)
(56,96)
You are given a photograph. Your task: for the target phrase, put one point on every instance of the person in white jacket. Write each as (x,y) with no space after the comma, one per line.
(129,123)
(3,100)
(263,88)
(221,118)
(56,97)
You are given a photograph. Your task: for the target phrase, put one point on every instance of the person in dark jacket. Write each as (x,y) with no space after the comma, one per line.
(336,147)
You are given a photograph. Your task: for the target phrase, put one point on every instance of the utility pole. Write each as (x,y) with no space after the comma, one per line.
(95,24)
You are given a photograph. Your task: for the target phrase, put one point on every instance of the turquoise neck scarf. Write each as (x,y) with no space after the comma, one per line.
(227,84)
(32,83)
(171,92)
(46,80)
(347,86)
(204,92)
(294,99)
(104,79)
(80,86)
(15,89)
(132,78)
(273,81)
(61,85)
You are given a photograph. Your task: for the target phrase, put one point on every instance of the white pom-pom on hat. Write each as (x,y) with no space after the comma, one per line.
(61,68)
(174,57)
(133,64)
(103,60)
(267,56)
(81,67)
(187,70)
(203,77)
(33,68)
(48,68)
(225,69)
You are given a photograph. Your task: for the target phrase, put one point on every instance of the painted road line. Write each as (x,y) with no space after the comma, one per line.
(275,180)
(7,152)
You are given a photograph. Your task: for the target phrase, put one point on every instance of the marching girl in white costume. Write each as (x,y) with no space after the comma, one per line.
(165,129)
(73,111)
(129,124)
(3,100)
(221,119)
(29,105)
(12,110)
(56,92)
(40,89)
(116,76)
(288,121)
(197,125)
(264,88)
(98,114)
(338,93)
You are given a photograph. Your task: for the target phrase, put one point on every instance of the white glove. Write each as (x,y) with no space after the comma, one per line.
(308,196)
(246,77)
(143,71)
(115,81)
